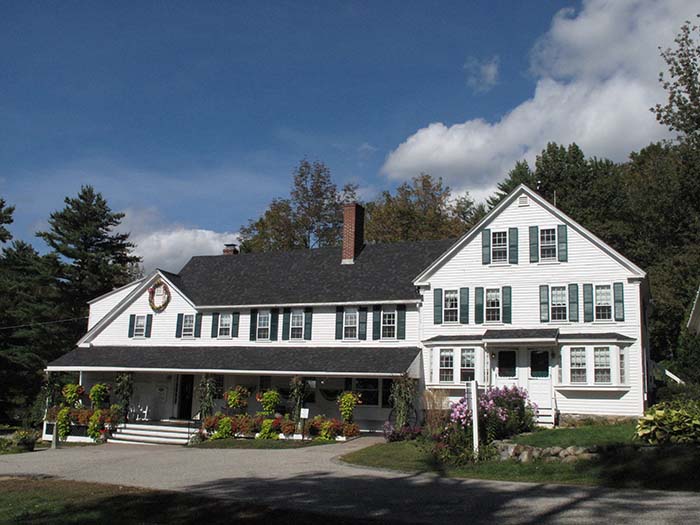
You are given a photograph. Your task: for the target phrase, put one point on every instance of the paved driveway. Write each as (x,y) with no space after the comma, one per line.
(310,479)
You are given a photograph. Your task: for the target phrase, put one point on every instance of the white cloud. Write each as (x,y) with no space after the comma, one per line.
(597,76)
(482,75)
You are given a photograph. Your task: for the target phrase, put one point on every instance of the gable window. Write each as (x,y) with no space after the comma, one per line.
(601,364)
(140,326)
(350,320)
(603,302)
(188,325)
(548,244)
(388,324)
(577,365)
(451,310)
(447,357)
(499,247)
(264,324)
(296,325)
(493,305)
(368,389)
(225,325)
(506,363)
(558,307)
(467,364)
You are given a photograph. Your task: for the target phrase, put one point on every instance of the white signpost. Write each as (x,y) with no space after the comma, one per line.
(473,393)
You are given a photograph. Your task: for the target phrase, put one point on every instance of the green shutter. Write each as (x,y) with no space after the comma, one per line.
(214,325)
(486,246)
(308,322)
(132,323)
(534,244)
(253,324)
(588,303)
(619,295)
(573,303)
(235,321)
(362,328)
(513,245)
(376,322)
(274,322)
(198,325)
(507,294)
(401,321)
(149,324)
(286,314)
(339,312)
(562,248)
(464,305)
(544,303)
(178,327)
(479,305)
(437,306)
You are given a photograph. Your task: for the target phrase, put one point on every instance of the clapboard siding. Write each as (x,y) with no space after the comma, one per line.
(102,307)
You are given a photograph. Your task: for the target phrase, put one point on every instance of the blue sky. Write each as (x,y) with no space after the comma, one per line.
(191,116)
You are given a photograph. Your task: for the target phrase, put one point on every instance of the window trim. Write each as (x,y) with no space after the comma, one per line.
(444,307)
(500,305)
(297,311)
(184,322)
(261,314)
(451,353)
(506,260)
(609,368)
(498,365)
(136,322)
(566,303)
(584,367)
(460,363)
(230,326)
(394,326)
(622,366)
(356,311)
(549,364)
(556,243)
(611,319)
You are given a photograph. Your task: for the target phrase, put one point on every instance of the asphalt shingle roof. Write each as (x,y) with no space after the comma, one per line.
(360,360)
(381,272)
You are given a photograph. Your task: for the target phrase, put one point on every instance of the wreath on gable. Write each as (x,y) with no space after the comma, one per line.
(157,308)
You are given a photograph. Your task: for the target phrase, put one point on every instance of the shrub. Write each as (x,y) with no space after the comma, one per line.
(224,428)
(347,401)
(330,428)
(95,428)
(267,431)
(671,422)
(675,392)
(237,398)
(99,394)
(454,446)
(62,425)
(402,397)
(313,426)
(288,427)
(404,433)
(206,390)
(25,439)
(71,394)
(351,430)
(123,390)
(269,401)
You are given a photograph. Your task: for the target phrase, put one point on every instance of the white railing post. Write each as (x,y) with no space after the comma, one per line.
(475,417)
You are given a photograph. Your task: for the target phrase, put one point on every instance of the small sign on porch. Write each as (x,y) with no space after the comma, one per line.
(304,413)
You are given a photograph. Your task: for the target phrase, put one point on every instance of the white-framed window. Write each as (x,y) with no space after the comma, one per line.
(577,365)
(140,326)
(368,388)
(350,323)
(188,325)
(623,371)
(467,364)
(558,303)
(447,365)
(603,302)
(450,312)
(499,247)
(263,324)
(493,305)
(388,324)
(225,321)
(296,324)
(601,364)
(548,244)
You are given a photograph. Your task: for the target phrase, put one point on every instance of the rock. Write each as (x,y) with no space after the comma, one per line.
(570,459)
(588,456)
(571,451)
(564,453)
(536,453)
(526,456)
(517,450)
(555,451)
(551,459)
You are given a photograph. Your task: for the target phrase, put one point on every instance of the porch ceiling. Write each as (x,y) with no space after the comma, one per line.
(387,361)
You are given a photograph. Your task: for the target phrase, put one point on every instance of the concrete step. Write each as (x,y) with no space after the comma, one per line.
(154,433)
(153,440)
(124,442)
(158,428)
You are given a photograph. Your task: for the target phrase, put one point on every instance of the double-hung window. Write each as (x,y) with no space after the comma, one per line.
(603,302)
(140,326)
(264,325)
(601,364)
(296,324)
(451,309)
(225,325)
(499,247)
(558,303)
(350,321)
(447,363)
(493,305)
(467,364)
(188,325)
(577,365)
(548,244)
(388,324)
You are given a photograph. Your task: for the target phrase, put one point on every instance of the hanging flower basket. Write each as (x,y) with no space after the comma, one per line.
(157,308)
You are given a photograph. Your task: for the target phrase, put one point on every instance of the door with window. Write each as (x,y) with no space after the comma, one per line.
(539,377)
(504,367)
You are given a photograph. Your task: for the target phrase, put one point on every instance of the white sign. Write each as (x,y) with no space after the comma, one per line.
(304,413)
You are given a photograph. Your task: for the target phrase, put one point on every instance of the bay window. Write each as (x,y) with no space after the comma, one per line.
(577,365)
(467,364)
(601,365)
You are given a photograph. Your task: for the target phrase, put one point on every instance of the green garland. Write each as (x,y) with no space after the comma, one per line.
(152,294)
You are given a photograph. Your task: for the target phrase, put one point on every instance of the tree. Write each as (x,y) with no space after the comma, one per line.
(5,218)
(312,216)
(520,174)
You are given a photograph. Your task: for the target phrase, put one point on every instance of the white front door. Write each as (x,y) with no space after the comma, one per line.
(539,377)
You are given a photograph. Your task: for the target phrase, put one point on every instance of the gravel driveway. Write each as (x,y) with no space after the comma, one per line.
(310,479)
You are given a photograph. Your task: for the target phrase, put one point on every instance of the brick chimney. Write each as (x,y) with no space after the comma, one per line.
(353,231)
(230,249)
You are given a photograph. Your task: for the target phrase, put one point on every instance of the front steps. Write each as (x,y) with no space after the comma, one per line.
(545,417)
(160,433)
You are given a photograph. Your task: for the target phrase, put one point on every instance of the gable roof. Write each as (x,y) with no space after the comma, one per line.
(381,272)
(490,216)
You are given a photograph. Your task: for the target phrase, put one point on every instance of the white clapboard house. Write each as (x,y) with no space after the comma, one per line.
(528,297)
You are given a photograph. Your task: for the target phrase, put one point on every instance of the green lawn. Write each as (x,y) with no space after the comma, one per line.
(670,468)
(32,500)
(587,436)
(260,443)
